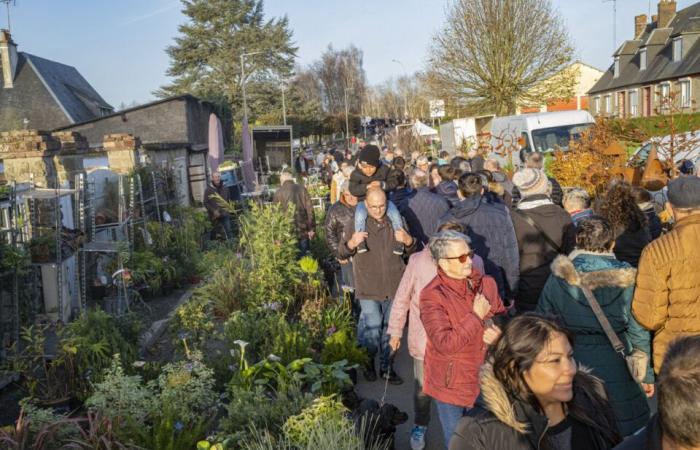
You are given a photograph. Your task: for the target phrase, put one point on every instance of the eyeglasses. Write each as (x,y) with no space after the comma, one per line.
(463,258)
(376,207)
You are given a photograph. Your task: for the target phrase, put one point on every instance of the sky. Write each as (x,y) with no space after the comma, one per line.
(119,45)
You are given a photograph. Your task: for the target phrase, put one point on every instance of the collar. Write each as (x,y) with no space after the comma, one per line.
(579,252)
(462,288)
(689,220)
(534,201)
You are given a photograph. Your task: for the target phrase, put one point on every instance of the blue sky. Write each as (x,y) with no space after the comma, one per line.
(119,45)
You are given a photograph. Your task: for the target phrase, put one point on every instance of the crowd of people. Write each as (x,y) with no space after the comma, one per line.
(537,317)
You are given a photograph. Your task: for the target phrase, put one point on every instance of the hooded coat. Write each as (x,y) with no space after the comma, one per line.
(612,284)
(448,190)
(500,422)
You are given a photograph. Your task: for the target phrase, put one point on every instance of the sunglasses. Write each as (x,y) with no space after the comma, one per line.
(463,258)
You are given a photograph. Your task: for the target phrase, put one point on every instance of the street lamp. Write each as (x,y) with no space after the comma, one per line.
(405,95)
(245,104)
(284,105)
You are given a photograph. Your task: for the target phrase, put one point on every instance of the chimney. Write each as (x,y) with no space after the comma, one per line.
(667,9)
(640,23)
(654,18)
(8,58)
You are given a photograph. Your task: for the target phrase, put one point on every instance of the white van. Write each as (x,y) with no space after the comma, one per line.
(539,132)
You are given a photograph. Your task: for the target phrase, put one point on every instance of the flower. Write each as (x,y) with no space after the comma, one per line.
(274,358)
(183,335)
(274,306)
(240,343)
(138,364)
(189,367)
(179,426)
(331,330)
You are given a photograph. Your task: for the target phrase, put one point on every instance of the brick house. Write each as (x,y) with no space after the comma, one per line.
(44,94)
(663,58)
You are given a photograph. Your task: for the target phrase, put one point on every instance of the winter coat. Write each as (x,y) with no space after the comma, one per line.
(339,220)
(400,196)
(536,254)
(214,209)
(653,219)
(420,271)
(649,438)
(359,181)
(557,194)
(578,216)
(667,297)
(377,272)
(629,245)
(423,210)
(296,194)
(448,190)
(612,283)
(455,348)
(501,422)
(492,237)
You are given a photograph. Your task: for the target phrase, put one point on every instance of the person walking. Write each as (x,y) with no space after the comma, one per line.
(377,275)
(447,187)
(667,298)
(534,397)
(297,195)
(219,216)
(338,224)
(593,266)
(490,230)
(420,271)
(455,309)
(423,209)
(543,229)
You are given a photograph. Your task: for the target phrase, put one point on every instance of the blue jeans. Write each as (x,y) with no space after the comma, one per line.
(371,329)
(449,416)
(392,213)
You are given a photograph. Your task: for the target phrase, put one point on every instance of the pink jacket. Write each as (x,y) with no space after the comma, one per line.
(420,271)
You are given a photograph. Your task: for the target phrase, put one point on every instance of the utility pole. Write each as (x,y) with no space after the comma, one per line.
(7,5)
(245,103)
(614,2)
(347,122)
(405,94)
(284,106)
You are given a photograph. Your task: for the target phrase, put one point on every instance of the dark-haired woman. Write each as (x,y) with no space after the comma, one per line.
(629,223)
(593,265)
(534,397)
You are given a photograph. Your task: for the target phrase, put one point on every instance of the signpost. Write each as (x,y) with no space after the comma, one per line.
(437,109)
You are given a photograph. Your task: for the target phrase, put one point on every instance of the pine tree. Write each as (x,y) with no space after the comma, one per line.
(205,59)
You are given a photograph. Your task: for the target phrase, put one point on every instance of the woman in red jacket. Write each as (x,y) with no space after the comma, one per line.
(456,308)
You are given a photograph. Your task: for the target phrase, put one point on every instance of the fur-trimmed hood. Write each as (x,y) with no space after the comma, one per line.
(563,267)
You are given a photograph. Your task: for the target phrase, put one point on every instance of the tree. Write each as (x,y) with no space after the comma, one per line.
(496,54)
(336,71)
(205,59)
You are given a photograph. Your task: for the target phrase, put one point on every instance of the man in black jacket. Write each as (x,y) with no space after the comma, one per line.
(219,216)
(339,221)
(292,193)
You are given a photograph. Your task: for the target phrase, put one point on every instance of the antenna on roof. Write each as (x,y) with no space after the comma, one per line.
(7,5)
(614,2)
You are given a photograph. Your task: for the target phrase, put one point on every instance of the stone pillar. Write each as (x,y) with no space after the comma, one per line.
(122,152)
(27,153)
(69,160)
(640,24)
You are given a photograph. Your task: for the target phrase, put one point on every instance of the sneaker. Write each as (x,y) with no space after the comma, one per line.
(393,377)
(369,371)
(362,248)
(398,248)
(418,437)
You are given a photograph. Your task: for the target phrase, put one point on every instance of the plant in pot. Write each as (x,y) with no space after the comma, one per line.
(42,248)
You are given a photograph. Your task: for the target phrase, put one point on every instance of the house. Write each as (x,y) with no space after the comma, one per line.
(656,72)
(584,77)
(44,94)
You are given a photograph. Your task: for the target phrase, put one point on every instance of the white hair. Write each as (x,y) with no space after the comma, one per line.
(440,242)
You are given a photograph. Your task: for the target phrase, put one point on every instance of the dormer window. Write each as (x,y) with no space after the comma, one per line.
(677,49)
(643,59)
(616,67)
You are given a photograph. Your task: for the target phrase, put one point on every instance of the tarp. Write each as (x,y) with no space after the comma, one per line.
(216,143)
(247,166)
(421,129)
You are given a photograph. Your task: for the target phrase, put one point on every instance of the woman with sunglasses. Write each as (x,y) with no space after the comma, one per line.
(456,309)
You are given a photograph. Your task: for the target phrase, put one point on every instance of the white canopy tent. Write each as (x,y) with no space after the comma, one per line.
(423,130)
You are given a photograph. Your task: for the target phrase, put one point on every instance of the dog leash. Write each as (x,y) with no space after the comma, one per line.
(387,375)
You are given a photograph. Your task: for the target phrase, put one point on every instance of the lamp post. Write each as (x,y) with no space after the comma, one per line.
(245,103)
(284,106)
(405,95)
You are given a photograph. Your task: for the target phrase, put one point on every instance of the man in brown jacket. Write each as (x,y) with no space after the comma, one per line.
(297,195)
(377,274)
(667,296)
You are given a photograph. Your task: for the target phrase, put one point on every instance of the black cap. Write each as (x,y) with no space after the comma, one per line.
(684,192)
(370,155)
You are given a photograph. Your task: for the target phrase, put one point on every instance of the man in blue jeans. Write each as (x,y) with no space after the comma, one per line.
(377,275)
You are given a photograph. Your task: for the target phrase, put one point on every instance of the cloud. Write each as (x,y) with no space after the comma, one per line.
(150,15)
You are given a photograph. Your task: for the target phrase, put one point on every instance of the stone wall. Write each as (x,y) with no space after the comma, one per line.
(27,153)
(122,152)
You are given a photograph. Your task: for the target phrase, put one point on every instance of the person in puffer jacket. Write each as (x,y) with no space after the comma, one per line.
(534,397)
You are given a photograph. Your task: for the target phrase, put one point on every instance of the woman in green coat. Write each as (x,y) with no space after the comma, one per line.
(593,265)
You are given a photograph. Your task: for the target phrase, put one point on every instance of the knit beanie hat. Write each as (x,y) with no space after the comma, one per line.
(370,155)
(531,182)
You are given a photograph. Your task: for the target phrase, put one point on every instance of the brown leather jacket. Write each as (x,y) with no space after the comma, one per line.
(296,194)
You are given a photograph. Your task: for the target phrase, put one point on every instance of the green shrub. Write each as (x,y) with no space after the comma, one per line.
(256,328)
(193,320)
(323,409)
(342,345)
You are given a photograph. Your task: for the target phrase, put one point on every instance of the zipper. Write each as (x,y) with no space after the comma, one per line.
(539,441)
(448,374)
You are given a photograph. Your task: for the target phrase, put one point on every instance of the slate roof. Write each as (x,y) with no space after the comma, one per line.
(660,65)
(67,86)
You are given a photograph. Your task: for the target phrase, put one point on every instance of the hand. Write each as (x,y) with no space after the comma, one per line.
(648,389)
(481,306)
(343,261)
(374,185)
(395,343)
(401,236)
(491,334)
(356,239)
(312,234)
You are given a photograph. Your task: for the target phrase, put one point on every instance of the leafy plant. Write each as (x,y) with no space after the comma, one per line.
(26,436)
(227,287)
(255,328)
(323,409)
(341,345)
(193,318)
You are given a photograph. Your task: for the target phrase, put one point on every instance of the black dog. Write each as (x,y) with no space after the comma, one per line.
(376,424)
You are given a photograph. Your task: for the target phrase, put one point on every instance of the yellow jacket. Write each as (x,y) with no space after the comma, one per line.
(667,296)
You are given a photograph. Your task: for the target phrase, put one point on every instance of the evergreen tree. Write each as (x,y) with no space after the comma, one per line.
(205,59)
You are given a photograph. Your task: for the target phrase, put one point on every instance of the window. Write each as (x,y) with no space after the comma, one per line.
(596,105)
(677,49)
(685,93)
(634,102)
(643,59)
(548,139)
(665,90)
(616,68)
(607,105)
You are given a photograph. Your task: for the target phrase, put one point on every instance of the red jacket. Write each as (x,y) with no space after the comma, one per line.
(455,349)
